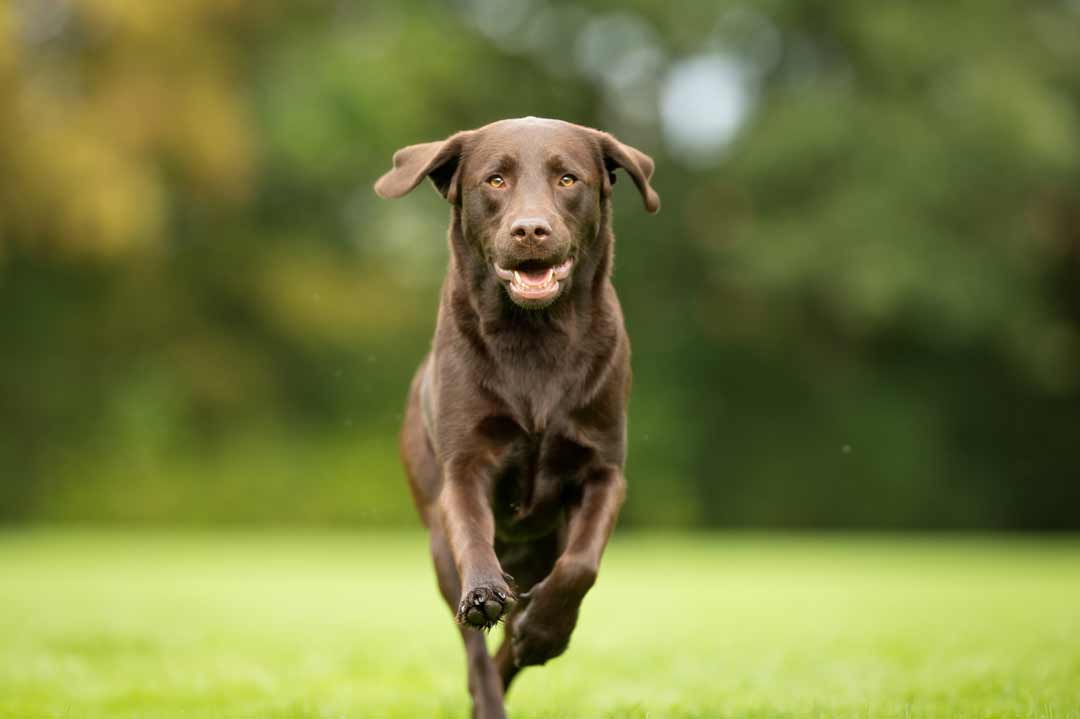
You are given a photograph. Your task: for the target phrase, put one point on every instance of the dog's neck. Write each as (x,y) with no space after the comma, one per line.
(483,310)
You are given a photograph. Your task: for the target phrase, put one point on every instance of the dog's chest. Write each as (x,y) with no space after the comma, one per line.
(538,394)
(544,454)
(540,474)
(535,399)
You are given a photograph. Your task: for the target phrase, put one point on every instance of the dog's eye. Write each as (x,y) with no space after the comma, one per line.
(496,181)
(567,180)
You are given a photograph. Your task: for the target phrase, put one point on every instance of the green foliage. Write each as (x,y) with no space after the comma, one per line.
(862,310)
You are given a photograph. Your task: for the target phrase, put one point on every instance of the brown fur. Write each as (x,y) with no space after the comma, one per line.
(514,436)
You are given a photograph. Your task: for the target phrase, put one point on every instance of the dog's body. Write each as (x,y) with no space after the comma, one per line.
(514,436)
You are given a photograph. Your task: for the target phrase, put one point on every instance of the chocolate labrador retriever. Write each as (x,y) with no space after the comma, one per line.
(515,431)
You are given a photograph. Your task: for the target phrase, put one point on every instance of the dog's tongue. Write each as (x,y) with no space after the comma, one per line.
(536,277)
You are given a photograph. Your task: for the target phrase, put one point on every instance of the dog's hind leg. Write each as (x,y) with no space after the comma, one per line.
(484,683)
(504,657)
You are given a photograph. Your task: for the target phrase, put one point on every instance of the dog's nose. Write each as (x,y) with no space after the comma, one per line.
(530,228)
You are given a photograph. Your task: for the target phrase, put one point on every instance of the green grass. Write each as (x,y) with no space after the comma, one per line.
(249,624)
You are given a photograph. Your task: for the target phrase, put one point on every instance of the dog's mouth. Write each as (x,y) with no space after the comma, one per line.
(535,282)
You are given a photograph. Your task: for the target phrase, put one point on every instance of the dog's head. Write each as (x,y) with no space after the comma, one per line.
(531,194)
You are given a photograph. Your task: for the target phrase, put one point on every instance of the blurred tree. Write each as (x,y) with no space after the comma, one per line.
(858,306)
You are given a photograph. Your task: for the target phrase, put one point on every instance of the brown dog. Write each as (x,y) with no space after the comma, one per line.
(515,431)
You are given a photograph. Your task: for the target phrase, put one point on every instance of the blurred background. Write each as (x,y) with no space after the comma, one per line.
(859,306)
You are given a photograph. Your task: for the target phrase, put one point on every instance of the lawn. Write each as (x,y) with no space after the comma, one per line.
(294,624)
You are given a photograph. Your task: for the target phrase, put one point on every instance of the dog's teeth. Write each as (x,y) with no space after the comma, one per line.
(517,277)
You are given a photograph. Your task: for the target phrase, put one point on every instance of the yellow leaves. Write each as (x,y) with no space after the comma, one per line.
(77,193)
(7,50)
(96,130)
(110,201)
(211,133)
(160,23)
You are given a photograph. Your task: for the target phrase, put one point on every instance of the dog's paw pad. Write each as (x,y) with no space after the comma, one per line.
(484,607)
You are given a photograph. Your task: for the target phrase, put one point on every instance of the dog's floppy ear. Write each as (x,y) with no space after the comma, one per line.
(437,160)
(636,163)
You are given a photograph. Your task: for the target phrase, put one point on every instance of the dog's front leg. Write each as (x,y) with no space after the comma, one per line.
(541,629)
(465,506)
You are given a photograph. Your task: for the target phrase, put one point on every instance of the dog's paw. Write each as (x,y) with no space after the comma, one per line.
(484,607)
(534,641)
